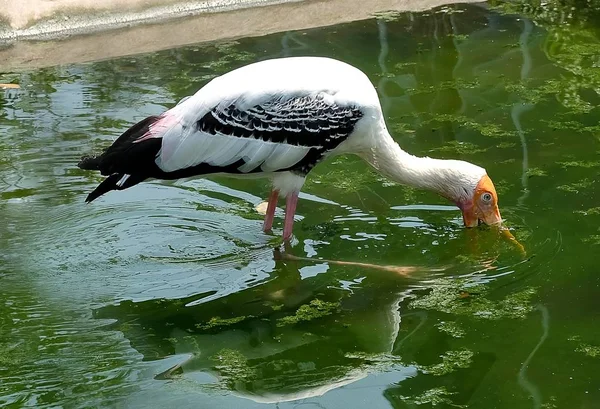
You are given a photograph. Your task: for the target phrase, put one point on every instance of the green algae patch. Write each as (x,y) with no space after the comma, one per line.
(233,365)
(221,322)
(451,328)
(592,351)
(433,397)
(451,361)
(588,212)
(484,128)
(593,239)
(589,350)
(463,298)
(576,186)
(441,86)
(459,37)
(502,186)
(579,164)
(402,128)
(517,305)
(376,362)
(573,126)
(531,172)
(504,145)
(461,148)
(308,312)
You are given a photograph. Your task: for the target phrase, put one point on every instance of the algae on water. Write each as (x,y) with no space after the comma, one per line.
(233,365)
(221,322)
(433,397)
(486,128)
(448,296)
(451,361)
(531,172)
(592,351)
(579,164)
(451,328)
(461,148)
(588,212)
(576,186)
(307,312)
(593,239)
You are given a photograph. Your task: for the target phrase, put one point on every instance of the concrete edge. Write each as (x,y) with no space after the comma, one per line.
(67,25)
(202,28)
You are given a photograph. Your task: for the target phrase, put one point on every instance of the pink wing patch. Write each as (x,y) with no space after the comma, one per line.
(165,122)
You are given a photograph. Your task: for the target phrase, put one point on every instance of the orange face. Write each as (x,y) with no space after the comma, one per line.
(484,206)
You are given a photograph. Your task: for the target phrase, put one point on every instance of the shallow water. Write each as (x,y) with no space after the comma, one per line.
(169,295)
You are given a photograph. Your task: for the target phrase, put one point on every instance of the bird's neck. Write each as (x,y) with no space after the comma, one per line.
(386,156)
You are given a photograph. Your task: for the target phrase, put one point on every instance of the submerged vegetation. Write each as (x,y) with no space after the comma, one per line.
(433,397)
(575,187)
(233,366)
(593,351)
(451,328)
(215,322)
(308,312)
(451,361)
(462,297)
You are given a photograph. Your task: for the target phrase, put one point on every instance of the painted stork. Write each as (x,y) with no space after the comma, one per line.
(279,118)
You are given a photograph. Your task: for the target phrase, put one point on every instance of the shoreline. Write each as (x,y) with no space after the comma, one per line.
(144,33)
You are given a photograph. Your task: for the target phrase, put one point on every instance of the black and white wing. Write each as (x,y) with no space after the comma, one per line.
(275,133)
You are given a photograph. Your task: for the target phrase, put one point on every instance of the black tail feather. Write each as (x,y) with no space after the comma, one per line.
(125,155)
(89,163)
(127,162)
(110,183)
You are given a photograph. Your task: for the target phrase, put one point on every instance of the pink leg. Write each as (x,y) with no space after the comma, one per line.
(271,210)
(290,210)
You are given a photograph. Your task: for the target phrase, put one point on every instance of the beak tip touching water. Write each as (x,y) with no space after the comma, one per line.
(473,218)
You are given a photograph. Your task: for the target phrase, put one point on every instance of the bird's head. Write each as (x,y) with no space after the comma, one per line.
(472,190)
(482,205)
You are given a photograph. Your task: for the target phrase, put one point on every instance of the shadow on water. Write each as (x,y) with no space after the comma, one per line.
(169,294)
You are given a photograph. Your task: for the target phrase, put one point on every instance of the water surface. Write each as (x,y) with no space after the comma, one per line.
(169,295)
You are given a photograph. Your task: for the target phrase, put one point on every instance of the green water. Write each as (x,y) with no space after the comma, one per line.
(169,295)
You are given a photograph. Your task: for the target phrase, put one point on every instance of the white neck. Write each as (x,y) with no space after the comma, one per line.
(453,179)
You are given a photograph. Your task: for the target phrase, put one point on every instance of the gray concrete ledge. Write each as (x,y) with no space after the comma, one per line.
(116,36)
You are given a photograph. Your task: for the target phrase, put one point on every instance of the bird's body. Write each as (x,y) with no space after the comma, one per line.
(277,118)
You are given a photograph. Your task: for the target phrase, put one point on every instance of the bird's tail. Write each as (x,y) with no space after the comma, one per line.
(89,163)
(128,161)
(116,181)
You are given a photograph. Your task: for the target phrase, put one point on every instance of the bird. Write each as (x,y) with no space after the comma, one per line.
(279,118)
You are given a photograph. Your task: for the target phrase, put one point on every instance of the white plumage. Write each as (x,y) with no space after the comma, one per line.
(253,85)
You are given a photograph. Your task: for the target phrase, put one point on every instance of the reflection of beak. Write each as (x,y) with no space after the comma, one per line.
(507,234)
(473,215)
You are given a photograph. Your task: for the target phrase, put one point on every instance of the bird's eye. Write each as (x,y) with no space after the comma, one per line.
(486,197)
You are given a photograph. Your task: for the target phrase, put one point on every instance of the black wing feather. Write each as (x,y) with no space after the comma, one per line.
(309,121)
